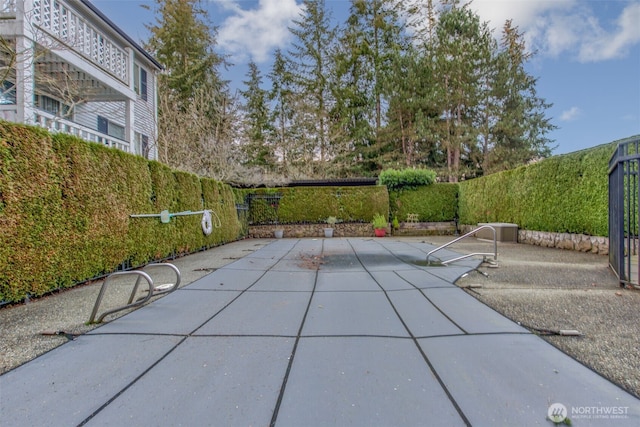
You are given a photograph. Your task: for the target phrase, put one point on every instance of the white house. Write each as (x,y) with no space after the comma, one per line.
(65,66)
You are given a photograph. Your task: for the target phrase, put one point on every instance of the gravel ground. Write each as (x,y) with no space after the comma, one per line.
(31,329)
(548,290)
(543,289)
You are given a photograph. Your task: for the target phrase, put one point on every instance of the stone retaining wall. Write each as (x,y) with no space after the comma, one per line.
(312,230)
(573,242)
(353,229)
(425,229)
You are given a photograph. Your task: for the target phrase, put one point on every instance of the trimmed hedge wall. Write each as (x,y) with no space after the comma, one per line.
(562,194)
(316,204)
(65,206)
(432,203)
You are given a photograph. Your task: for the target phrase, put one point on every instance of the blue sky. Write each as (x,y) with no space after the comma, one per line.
(587,52)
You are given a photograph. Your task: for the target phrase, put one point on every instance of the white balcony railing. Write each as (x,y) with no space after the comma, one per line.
(8,8)
(60,21)
(57,124)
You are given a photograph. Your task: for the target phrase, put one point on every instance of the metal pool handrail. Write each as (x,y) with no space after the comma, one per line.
(495,246)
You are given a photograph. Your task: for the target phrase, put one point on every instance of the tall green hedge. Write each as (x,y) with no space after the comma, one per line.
(432,203)
(316,204)
(409,178)
(65,208)
(32,215)
(567,193)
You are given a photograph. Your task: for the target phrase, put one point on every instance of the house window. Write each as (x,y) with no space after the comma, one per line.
(140,81)
(110,128)
(52,106)
(8,94)
(142,144)
(143,84)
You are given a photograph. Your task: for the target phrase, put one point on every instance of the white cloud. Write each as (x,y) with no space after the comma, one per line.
(568,27)
(570,114)
(605,45)
(256,32)
(524,13)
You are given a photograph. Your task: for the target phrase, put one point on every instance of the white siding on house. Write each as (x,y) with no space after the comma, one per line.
(145,116)
(87,114)
(99,55)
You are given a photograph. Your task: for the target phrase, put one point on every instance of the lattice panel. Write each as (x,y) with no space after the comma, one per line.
(63,23)
(8,7)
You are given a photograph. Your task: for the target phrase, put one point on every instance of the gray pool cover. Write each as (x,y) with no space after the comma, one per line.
(313,332)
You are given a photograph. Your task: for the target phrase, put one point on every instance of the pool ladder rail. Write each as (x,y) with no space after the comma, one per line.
(143,275)
(471,233)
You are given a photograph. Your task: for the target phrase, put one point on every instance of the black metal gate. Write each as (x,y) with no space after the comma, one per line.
(624,211)
(263,208)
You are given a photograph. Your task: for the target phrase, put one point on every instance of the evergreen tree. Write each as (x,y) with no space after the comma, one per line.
(422,18)
(517,133)
(462,54)
(353,99)
(490,116)
(283,132)
(183,43)
(371,41)
(411,111)
(256,121)
(310,63)
(196,113)
(353,113)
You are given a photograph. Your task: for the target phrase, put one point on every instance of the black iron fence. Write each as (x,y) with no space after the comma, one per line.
(263,208)
(624,211)
(242,209)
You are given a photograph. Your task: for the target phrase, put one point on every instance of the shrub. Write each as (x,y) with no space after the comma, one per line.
(315,204)
(406,178)
(562,194)
(433,203)
(65,207)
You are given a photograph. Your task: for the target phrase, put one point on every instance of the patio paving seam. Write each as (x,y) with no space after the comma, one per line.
(153,365)
(471,334)
(191,335)
(131,383)
(283,386)
(354,336)
(142,334)
(417,344)
(351,361)
(425,296)
(442,312)
(226,305)
(414,286)
(158,334)
(278,291)
(348,291)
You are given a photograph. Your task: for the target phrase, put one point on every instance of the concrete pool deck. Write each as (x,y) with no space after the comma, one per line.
(314,332)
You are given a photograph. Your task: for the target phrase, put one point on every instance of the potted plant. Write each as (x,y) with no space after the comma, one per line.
(275,204)
(278,232)
(379,225)
(331,222)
